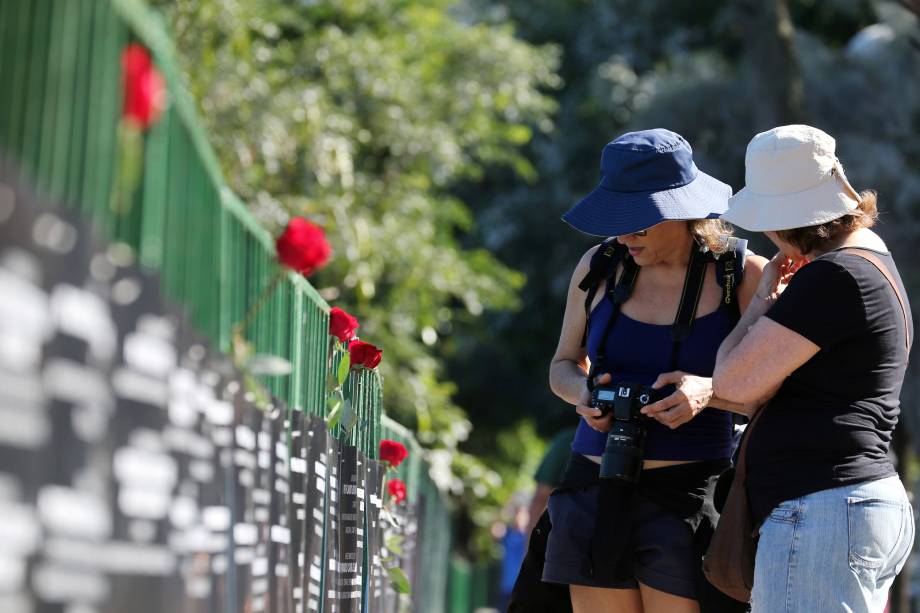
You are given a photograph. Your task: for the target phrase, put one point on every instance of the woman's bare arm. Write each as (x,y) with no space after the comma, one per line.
(569,366)
(758,355)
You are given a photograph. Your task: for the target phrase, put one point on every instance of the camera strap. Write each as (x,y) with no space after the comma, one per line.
(689,300)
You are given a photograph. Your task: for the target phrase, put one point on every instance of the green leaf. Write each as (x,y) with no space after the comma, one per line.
(333,399)
(334,403)
(349,415)
(344,367)
(334,416)
(399,580)
(394,544)
(130,166)
(268,365)
(261,397)
(518,134)
(390,518)
(394,540)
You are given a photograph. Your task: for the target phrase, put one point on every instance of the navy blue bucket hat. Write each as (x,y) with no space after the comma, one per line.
(647,177)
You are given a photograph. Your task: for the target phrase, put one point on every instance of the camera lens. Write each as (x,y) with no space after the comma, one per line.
(622,457)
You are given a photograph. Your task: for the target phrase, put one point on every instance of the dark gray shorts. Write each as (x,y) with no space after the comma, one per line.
(665,558)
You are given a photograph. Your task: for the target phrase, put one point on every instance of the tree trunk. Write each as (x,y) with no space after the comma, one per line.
(776,88)
(912,5)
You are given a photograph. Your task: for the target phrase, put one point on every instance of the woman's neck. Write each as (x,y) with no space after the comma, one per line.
(678,256)
(863,237)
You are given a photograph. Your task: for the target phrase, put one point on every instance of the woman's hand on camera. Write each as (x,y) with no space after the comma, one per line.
(593,416)
(691,396)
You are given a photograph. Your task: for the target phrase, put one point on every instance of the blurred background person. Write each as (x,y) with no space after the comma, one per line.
(549,474)
(512,536)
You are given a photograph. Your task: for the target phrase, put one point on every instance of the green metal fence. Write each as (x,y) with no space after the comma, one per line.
(433,544)
(60,66)
(59,114)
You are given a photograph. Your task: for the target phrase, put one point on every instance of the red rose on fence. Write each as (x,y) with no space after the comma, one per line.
(397,489)
(145,89)
(302,247)
(342,325)
(364,354)
(393,452)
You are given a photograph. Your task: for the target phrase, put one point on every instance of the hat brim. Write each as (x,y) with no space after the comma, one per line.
(605,212)
(811,207)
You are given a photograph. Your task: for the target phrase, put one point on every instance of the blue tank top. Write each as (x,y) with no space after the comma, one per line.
(638,352)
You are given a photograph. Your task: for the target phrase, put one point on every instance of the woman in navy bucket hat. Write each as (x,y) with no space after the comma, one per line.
(635,544)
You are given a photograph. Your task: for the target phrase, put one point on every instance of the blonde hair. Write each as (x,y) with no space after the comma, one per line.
(711,233)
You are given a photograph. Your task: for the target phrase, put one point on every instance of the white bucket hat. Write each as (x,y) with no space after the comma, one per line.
(792,180)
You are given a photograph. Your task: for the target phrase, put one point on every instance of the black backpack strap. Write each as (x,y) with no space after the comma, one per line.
(730,274)
(608,255)
(603,267)
(617,294)
(689,300)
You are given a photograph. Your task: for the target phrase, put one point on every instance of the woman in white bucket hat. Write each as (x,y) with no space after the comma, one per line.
(827,336)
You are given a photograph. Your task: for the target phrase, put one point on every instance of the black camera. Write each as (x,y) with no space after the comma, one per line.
(625,447)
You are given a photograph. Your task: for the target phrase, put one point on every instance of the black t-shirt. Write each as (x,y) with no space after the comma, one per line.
(830,423)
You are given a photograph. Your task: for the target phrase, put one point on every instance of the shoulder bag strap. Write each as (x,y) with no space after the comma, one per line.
(741,464)
(875,261)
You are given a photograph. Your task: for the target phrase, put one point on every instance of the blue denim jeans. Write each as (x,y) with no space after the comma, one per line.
(834,550)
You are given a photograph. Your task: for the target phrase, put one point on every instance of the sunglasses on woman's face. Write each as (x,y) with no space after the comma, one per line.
(639,233)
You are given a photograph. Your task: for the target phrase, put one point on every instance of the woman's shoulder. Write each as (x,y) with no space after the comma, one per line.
(863,239)
(833,276)
(585,260)
(828,267)
(849,266)
(583,266)
(847,261)
(753,270)
(754,265)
